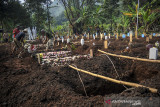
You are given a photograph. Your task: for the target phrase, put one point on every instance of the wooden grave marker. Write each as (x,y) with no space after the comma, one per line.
(88,36)
(121,35)
(130,35)
(117,36)
(101,36)
(147,39)
(150,36)
(91,53)
(39,59)
(109,35)
(105,44)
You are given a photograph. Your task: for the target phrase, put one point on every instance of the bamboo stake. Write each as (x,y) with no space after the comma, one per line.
(153,90)
(101,36)
(128,57)
(136,33)
(88,36)
(120,34)
(147,39)
(91,53)
(150,36)
(105,44)
(109,36)
(117,36)
(39,59)
(130,37)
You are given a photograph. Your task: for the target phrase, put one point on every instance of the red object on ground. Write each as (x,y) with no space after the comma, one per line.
(32,47)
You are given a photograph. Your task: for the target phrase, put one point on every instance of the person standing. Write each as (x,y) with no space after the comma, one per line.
(5,37)
(43,37)
(49,40)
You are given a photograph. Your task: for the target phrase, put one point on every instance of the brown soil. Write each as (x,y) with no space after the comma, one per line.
(25,83)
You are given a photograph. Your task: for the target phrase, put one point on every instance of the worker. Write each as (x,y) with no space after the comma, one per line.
(5,37)
(50,41)
(18,40)
(43,37)
(16,31)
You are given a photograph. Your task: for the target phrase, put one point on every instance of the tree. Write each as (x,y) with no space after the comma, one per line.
(73,10)
(12,13)
(38,10)
(148,16)
(110,10)
(60,19)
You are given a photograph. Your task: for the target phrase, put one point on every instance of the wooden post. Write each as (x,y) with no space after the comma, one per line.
(88,36)
(39,59)
(130,35)
(101,36)
(91,53)
(120,34)
(136,33)
(150,36)
(147,39)
(105,44)
(117,36)
(109,36)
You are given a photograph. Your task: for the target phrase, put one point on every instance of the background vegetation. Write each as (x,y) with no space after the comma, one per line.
(81,16)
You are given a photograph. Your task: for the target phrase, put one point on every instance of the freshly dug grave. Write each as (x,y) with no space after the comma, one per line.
(25,83)
(126,71)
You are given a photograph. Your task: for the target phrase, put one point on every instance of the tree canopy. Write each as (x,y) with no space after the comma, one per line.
(81,15)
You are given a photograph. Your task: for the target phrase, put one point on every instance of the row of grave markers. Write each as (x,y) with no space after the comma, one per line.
(116,35)
(104,36)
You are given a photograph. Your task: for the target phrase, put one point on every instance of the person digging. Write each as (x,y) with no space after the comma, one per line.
(50,41)
(19,42)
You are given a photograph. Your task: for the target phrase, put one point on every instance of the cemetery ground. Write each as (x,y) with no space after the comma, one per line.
(25,82)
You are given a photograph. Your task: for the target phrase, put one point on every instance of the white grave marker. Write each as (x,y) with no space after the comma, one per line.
(153,53)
